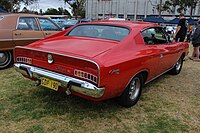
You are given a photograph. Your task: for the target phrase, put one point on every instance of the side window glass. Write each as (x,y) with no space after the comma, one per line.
(154,36)
(47,25)
(26,23)
(160,36)
(148,36)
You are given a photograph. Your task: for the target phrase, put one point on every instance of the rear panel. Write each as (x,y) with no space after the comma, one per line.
(71,66)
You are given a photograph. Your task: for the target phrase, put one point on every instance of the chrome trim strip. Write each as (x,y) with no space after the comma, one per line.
(1,40)
(18,39)
(158,76)
(17,23)
(67,56)
(73,84)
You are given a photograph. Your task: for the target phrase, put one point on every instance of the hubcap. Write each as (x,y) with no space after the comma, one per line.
(178,65)
(134,88)
(3,58)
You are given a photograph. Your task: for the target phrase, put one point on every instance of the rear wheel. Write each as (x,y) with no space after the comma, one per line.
(177,68)
(5,59)
(132,93)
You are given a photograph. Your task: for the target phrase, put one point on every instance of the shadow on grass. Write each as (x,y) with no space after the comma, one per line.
(40,102)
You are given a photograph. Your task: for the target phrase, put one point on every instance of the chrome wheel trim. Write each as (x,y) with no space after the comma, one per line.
(134,88)
(4,58)
(178,64)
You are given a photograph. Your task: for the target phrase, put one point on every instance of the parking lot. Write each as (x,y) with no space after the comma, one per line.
(168,104)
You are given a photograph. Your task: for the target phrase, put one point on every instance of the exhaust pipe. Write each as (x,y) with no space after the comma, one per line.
(37,82)
(68,92)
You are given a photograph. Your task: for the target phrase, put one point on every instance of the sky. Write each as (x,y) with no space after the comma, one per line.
(45,4)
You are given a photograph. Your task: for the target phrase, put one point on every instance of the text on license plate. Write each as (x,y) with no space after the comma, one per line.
(50,83)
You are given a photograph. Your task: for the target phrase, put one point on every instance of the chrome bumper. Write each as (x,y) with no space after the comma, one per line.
(73,84)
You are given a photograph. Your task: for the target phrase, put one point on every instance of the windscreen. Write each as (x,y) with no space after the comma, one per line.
(100,31)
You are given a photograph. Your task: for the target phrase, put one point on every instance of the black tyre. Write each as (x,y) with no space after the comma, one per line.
(6,59)
(132,93)
(177,67)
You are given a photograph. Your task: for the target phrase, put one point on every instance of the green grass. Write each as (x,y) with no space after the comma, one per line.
(168,104)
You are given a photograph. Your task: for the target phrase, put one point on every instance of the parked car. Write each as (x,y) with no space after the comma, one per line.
(22,29)
(69,23)
(59,21)
(102,60)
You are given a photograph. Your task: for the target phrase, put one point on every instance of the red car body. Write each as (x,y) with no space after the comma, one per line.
(105,68)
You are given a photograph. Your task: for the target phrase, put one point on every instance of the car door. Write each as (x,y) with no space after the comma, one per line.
(166,52)
(48,27)
(152,51)
(27,31)
(172,50)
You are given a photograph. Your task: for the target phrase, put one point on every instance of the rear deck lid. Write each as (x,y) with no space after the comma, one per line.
(86,47)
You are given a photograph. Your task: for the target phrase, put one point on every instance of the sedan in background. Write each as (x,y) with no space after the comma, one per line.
(20,30)
(102,60)
(69,23)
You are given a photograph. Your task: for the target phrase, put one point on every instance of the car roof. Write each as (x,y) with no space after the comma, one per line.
(130,24)
(21,15)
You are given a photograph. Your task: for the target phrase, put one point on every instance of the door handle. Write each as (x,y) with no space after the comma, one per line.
(161,55)
(18,34)
(47,33)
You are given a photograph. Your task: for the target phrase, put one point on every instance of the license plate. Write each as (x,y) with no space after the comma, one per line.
(50,83)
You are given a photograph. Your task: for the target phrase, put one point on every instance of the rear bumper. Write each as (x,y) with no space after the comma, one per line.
(70,83)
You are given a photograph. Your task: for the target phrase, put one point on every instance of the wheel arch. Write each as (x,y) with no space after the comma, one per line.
(143,72)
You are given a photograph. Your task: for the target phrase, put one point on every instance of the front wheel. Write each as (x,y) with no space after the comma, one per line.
(177,68)
(132,93)
(5,59)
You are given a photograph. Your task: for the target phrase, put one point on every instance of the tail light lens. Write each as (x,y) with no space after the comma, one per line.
(24,60)
(85,75)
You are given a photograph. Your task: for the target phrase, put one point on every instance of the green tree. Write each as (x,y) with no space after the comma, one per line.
(181,4)
(59,11)
(78,7)
(14,5)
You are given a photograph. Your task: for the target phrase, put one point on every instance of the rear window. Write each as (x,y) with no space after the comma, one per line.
(100,31)
(1,17)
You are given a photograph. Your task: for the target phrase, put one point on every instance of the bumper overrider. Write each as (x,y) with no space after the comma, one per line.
(72,84)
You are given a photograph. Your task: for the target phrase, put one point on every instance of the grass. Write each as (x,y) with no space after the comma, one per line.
(168,104)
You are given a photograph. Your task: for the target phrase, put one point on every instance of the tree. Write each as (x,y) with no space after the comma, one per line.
(14,5)
(78,7)
(60,11)
(182,5)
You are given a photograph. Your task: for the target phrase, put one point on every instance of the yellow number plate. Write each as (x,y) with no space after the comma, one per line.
(50,84)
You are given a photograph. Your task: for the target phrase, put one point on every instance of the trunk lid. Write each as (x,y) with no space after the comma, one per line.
(85,47)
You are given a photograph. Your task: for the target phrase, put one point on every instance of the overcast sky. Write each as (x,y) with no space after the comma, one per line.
(45,4)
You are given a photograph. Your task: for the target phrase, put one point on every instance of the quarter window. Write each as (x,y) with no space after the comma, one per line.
(154,36)
(26,23)
(48,25)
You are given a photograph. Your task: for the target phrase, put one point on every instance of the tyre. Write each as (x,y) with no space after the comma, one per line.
(177,67)
(5,59)
(132,93)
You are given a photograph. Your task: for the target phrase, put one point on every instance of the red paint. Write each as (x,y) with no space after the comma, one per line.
(130,56)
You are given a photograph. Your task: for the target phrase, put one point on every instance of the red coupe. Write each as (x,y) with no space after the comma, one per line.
(102,60)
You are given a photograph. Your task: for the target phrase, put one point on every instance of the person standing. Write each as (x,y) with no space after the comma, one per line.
(181,30)
(196,43)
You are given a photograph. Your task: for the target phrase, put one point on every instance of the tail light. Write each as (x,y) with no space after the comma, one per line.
(85,75)
(24,60)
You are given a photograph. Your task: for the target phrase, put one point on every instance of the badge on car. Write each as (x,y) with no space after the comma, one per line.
(50,59)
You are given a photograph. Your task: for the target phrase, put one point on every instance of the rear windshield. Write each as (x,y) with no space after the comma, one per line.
(100,31)
(1,17)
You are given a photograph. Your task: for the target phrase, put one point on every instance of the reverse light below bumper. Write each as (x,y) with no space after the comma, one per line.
(73,84)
